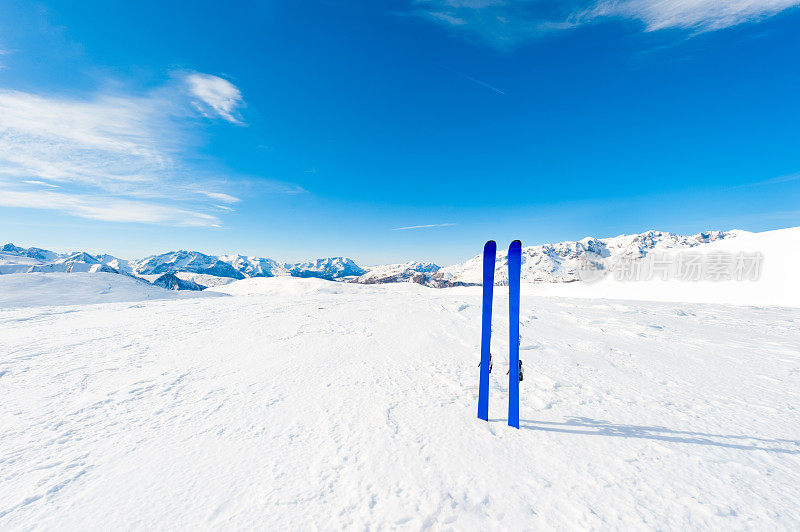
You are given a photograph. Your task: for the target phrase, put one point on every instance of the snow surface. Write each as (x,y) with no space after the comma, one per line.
(560,262)
(203,279)
(256,266)
(212,268)
(241,266)
(304,404)
(199,278)
(58,289)
(13,263)
(15,259)
(779,283)
(412,271)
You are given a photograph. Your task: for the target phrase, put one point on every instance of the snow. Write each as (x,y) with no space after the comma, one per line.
(412,271)
(172,282)
(189,261)
(58,289)
(256,266)
(203,279)
(307,404)
(241,266)
(199,278)
(559,262)
(13,263)
(14,259)
(329,268)
(778,284)
(272,286)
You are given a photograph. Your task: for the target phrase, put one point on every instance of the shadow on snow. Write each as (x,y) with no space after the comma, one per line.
(593,427)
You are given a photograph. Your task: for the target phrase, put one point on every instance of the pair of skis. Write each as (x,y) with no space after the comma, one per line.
(514,267)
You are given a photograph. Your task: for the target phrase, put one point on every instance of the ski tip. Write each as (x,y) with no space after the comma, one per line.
(491,244)
(516,244)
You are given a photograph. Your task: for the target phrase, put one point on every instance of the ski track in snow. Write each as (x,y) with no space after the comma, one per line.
(355,407)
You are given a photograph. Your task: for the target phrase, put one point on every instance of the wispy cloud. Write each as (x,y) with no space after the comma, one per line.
(37,182)
(428,226)
(116,143)
(702,15)
(788,178)
(218,95)
(107,208)
(506,23)
(220,196)
(113,155)
(470,78)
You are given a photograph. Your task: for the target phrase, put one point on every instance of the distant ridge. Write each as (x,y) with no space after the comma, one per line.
(560,262)
(547,263)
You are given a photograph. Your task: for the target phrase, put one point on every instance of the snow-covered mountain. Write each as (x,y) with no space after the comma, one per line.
(12,260)
(560,262)
(202,279)
(256,266)
(241,266)
(121,265)
(548,263)
(33,253)
(172,282)
(424,273)
(330,269)
(185,261)
(413,271)
(15,259)
(212,270)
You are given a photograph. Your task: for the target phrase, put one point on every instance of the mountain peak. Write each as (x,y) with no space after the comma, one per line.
(559,262)
(555,262)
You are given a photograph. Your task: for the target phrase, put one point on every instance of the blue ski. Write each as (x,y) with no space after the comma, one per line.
(489,252)
(514,267)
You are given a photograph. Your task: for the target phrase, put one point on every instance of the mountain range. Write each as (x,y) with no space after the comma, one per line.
(561,262)
(192,270)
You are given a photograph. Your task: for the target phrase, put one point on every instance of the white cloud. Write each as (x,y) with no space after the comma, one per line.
(505,23)
(119,144)
(474,80)
(220,95)
(221,196)
(427,226)
(37,182)
(111,155)
(446,17)
(107,208)
(703,15)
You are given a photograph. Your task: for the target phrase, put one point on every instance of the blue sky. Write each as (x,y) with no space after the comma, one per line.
(389,131)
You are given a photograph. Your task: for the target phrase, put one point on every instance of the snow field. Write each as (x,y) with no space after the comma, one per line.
(84,288)
(778,284)
(300,404)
